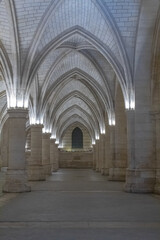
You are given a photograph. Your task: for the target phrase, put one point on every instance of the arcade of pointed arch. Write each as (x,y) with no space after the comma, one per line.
(69,54)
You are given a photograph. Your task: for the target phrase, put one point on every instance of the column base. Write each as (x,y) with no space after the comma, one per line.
(36,173)
(47,169)
(157,186)
(94,167)
(117,174)
(105,171)
(55,168)
(16,182)
(140,181)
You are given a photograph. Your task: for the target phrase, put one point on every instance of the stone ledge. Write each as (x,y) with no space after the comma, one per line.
(36,173)
(16,182)
(117,174)
(140,181)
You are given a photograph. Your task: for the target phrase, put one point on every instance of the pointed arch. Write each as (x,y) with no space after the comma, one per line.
(90,38)
(77,138)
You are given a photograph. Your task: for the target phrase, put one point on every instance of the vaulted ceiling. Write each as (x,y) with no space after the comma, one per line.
(61,58)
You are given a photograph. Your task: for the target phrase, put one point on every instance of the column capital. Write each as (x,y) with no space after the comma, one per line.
(102,136)
(130,112)
(130,109)
(16,178)
(17,112)
(52,140)
(46,135)
(112,126)
(36,126)
(57,144)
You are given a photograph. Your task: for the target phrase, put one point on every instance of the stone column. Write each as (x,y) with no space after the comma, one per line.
(94,157)
(102,153)
(46,153)
(4,146)
(141,172)
(56,157)
(16,177)
(132,174)
(120,162)
(52,153)
(35,168)
(140,176)
(28,140)
(97,155)
(131,138)
(112,153)
(157,151)
(107,146)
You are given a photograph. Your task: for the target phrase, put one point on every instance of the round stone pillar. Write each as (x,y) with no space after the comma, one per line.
(4,146)
(107,146)
(102,154)
(94,157)
(112,154)
(157,186)
(157,138)
(56,160)
(16,177)
(35,167)
(120,162)
(46,153)
(141,171)
(97,155)
(52,153)
(140,175)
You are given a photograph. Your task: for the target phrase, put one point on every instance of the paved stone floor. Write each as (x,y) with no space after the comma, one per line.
(79,205)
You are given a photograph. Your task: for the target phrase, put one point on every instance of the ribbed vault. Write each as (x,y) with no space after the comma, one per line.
(69,55)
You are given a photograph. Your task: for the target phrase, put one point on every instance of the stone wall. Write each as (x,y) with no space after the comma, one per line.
(67,138)
(75,159)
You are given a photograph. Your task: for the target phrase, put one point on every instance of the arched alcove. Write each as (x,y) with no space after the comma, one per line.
(77,138)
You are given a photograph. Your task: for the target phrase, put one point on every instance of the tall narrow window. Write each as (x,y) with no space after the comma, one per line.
(77,138)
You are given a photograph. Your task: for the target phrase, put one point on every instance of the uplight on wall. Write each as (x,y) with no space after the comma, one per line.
(26,103)
(41,120)
(34,121)
(46,130)
(57,141)
(130,103)
(112,122)
(60,145)
(97,137)
(12,101)
(53,136)
(130,106)
(18,102)
(127,104)
(103,131)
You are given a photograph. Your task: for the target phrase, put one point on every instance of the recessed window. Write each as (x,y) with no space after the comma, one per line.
(77,138)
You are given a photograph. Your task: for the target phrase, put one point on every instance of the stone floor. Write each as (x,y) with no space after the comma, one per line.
(79,205)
